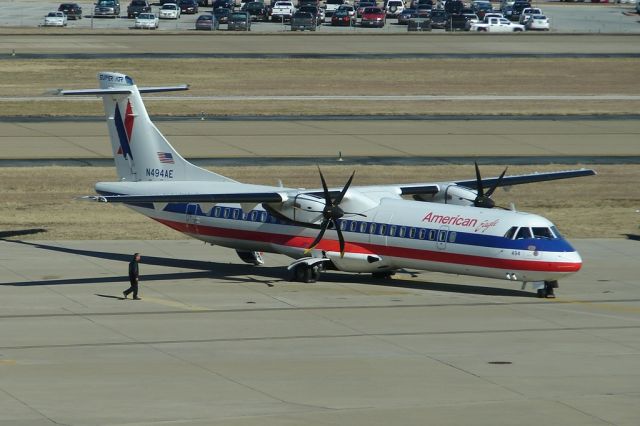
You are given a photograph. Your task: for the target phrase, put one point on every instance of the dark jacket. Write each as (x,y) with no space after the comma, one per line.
(133,269)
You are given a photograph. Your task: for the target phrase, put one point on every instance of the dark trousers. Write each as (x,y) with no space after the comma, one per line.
(133,288)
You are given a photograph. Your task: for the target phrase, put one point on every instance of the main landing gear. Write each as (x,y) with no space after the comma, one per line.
(547,290)
(305,273)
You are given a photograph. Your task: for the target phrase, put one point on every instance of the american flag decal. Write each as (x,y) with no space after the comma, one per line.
(165,158)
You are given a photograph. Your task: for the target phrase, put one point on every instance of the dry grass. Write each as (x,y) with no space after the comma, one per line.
(334,77)
(601,206)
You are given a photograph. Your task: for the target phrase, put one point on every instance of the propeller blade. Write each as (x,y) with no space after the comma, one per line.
(338,200)
(497,184)
(340,239)
(479,188)
(323,228)
(327,197)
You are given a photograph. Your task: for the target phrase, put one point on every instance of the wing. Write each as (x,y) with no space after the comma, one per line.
(527,178)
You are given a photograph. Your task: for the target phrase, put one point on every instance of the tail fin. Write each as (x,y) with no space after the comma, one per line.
(140,151)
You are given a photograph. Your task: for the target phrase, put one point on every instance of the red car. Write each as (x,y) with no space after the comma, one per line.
(373,17)
(342,18)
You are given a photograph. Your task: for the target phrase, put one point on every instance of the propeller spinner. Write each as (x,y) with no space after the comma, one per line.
(331,213)
(483,199)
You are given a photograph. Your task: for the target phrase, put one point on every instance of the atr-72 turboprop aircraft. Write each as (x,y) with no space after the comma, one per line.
(449,227)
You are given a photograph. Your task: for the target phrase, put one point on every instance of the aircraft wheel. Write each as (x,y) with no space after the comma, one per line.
(304,273)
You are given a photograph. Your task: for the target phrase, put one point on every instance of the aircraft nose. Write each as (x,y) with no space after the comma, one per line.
(570,261)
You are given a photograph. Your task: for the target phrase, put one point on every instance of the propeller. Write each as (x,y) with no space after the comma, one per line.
(483,199)
(332,212)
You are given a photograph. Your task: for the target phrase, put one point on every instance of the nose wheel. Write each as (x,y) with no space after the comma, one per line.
(547,291)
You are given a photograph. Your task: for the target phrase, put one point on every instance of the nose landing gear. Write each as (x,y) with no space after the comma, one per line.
(547,291)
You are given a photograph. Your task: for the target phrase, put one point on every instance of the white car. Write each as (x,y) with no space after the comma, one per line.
(351,10)
(527,12)
(147,20)
(537,22)
(55,19)
(170,11)
(394,8)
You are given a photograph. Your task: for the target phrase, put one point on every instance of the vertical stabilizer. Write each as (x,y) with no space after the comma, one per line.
(140,151)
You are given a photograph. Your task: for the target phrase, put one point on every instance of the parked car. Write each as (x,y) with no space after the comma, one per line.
(55,19)
(170,11)
(303,21)
(222,15)
(528,11)
(188,7)
(373,17)
(351,10)
(481,7)
(239,21)
(257,10)
(406,15)
(457,23)
(72,10)
(498,25)
(137,7)
(332,5)
(225,4)
(416,3)
(419,24)
(146,20)
(538,22)
(393,8)
(424,11)
(439,19)
(362,5)
(107,8)
(516,10)
(316,11)
(342,19)
(207,22)
(282,10)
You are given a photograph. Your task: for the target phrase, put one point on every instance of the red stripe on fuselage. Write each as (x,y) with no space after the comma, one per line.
(367,248)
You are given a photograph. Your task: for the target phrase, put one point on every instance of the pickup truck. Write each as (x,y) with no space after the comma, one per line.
(282,10)
(303,21)
(497,25)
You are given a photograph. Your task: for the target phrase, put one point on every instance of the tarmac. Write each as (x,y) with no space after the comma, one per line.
(259,140)
(215,341)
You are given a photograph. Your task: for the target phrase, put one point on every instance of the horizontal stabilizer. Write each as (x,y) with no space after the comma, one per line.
(120,91)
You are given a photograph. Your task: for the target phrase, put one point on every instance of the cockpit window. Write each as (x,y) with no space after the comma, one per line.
(523,233)
(556,232)
(511,233)
(542,233)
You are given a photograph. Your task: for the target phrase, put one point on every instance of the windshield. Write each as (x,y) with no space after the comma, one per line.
(239,16)
(146,16)
(372,10)
(169,7)
(335,2)
(52,14)
(106,3)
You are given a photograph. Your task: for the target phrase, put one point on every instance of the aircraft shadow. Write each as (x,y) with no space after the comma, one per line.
(21,232)
(633,237)
(241,273)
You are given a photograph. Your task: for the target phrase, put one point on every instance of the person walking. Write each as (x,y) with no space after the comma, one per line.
(134,273)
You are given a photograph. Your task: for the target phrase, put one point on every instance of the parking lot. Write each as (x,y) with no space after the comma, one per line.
(565,18)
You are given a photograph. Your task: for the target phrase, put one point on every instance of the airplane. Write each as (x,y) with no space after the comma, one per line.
(451,226)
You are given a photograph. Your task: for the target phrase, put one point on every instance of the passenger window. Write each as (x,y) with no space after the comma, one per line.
(422,234)
(372,228)
(383,229)
(226,213)
(412,232)
(442,236)
(432,234)
(343,225)
(523,233)
(542,233)
(392,231)
(236,213)
(216,211)
(556,233)
(511,233)
(452,236)
(402,232)
(363,227)
(353,225)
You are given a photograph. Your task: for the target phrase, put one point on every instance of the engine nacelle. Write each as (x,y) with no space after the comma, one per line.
(451,194)
(356,262)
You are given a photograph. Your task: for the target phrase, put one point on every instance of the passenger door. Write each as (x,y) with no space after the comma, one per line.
(192,218)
